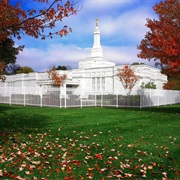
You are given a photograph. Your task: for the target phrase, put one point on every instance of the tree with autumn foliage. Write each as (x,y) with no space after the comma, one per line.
(162,42)
(169,85)
(128,78)
(173,83)
(16,20)
(57,79)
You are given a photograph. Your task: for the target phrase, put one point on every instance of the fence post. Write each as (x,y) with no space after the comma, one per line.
(95,99)
(24,96)
(60,100)
(10,96)
(150,98)
(158,97)
(65,101)
(65,97)
(165,97)
(140,98)
(81,99)
(41,99)
(116,100)
(41,96)
(60,96)
(101,99)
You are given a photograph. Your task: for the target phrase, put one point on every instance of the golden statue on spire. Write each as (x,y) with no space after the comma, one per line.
(97,21)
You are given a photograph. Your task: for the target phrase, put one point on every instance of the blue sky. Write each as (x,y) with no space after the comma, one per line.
(122,26)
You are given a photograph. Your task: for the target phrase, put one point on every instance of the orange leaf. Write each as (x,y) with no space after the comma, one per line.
(98,156)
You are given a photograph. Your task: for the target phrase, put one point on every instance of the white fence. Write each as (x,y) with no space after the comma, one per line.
(53,97)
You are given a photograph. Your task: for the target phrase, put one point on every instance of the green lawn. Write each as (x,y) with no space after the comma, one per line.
(99,143)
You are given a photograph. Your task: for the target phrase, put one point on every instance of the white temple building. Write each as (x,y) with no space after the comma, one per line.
(94,74)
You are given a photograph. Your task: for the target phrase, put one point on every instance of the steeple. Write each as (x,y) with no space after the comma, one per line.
(96,60)
(96,51)
(97,21)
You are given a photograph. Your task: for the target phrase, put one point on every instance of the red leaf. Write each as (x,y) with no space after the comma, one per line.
(57,170)
(98,156)
(116,139)
(77,163)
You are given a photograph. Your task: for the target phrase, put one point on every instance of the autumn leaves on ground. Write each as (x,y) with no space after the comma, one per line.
(89,143)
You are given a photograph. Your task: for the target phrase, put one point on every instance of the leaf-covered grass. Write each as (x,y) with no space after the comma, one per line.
(98,143)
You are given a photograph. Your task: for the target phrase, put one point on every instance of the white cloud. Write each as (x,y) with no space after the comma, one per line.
(130,25)
(42,60)
(124,55)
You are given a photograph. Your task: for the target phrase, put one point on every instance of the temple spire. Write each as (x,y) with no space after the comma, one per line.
(97,21)
(96,51)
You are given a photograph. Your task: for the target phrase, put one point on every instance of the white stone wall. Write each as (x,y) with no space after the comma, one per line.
(105,79)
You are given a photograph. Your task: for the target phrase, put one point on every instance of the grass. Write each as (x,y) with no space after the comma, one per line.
(98,143)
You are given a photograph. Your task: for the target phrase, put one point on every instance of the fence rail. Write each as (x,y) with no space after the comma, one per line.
(53,97)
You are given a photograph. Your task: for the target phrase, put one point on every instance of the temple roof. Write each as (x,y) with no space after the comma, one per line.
(96,59)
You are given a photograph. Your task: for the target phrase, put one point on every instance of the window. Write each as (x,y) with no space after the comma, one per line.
(98,84)
(93,84)
(103,83)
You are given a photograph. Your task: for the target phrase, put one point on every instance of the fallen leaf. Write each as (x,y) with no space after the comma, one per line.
(98,156)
